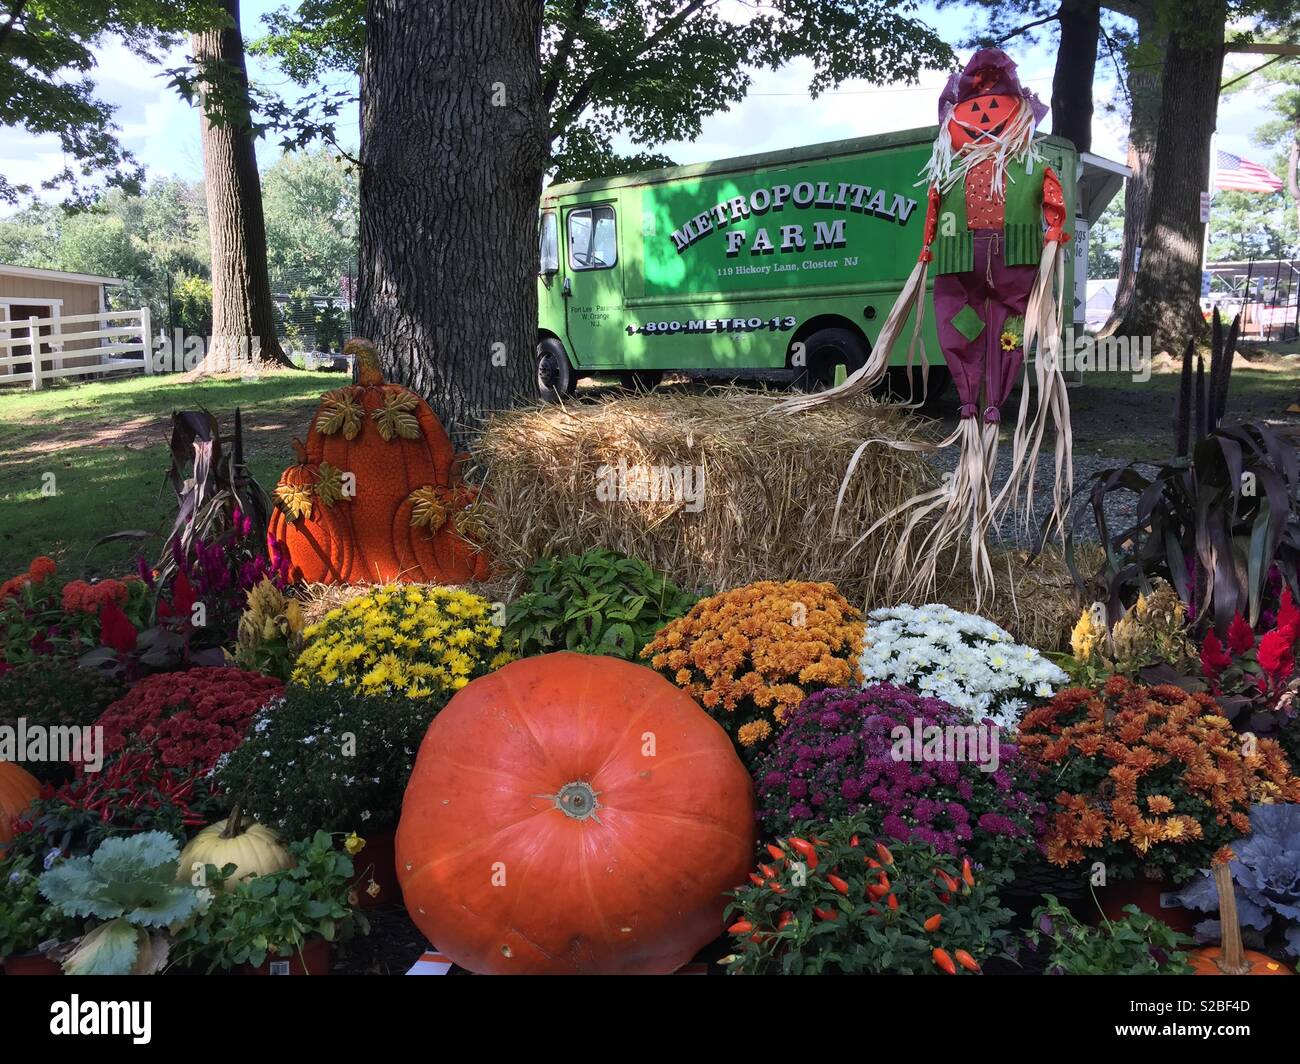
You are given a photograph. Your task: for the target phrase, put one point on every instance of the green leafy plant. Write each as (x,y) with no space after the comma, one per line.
(1136,945)
(275,914)
(129,887)
(1215,519)
(28,921)
(600,602)
(328,757)
(827,899)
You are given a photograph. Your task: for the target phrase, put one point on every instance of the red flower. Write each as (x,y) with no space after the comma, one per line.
(183,599)
(1275,653)
(1214,659)
(1241,637)
(1288,615)
(115,628)
(41,569)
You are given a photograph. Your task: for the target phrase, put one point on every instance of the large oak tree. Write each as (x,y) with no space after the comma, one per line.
(452,152)
(243,312)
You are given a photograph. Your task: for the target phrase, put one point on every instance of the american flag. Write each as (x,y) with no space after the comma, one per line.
(1232,172)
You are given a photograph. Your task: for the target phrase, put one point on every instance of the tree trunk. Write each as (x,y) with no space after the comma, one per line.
(1144,92)
(243,314)
(1167,306)
(1076,65)
(452,152)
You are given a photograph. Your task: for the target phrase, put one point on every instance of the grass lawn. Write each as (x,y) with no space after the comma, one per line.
(106,446)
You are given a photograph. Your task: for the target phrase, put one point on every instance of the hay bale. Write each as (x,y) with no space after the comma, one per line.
(318,599)
(767,490)
(1036,599)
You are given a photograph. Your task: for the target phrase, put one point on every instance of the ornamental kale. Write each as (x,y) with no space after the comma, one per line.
(129,884)
(915,768)
(1266,874)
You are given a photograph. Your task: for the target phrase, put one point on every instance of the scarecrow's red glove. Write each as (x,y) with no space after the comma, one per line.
(1054,209)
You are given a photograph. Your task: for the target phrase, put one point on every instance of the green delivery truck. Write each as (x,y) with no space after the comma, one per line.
(780,266)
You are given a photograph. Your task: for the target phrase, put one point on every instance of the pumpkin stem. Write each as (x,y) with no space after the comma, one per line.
(300,451)
(577,801)
(234,823)
(369,370)
(1232,957)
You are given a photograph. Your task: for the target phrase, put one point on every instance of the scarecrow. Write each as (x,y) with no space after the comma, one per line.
(994,229)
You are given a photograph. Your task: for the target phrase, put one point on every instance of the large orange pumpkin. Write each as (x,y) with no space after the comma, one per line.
(1229,957)
(405,517)
(18,788)
(573,814)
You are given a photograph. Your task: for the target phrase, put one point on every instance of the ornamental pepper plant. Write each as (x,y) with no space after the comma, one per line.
(750,655)
(132,793)
(1149,779)
(827,899)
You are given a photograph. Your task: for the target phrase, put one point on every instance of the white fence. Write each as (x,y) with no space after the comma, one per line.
(123,346)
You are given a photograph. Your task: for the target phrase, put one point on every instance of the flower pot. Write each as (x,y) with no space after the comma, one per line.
(313,960)
(31,964)
(1153,896)
(377,864)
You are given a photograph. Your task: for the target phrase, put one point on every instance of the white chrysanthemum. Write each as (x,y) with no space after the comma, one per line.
(963,659)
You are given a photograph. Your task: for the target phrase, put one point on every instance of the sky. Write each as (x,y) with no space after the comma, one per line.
(162,130)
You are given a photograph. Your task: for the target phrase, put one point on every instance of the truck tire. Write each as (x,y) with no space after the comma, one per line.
(555,376)
(824,350)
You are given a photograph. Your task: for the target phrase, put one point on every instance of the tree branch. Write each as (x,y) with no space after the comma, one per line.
(14,13)
(1252,70)
(552,87)
(1263,48)
(582,96)
(1027,27)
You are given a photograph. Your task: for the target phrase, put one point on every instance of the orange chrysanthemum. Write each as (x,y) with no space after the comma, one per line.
(1148,772)
(755,652)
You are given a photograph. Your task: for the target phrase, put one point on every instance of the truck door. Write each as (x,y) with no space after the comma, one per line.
(593,284)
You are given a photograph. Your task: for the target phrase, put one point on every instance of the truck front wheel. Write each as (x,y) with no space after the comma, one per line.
(823,351)
(555,376)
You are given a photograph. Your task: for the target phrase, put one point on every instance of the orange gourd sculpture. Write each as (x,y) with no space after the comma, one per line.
(18,788)
(573,814)
(1229,958)
(377,493)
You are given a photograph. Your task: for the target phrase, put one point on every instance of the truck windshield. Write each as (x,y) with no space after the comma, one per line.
(592,243)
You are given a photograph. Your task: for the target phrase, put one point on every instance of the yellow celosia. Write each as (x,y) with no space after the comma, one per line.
(1088,635)
(414,640)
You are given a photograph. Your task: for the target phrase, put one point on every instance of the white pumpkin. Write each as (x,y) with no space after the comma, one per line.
(253,848)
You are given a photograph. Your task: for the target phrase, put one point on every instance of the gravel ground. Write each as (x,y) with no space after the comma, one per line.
(1119,505)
